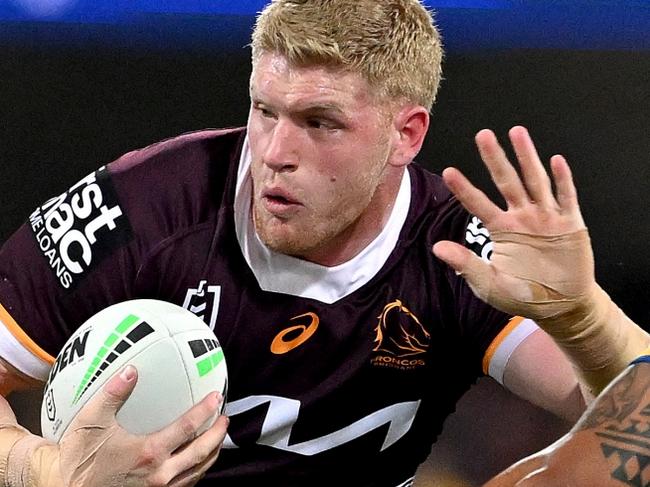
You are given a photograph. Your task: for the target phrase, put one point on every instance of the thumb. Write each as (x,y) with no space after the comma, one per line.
(111,397)
(455,255)
(475,270)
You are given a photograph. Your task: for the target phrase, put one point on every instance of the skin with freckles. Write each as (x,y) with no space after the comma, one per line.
(326,159)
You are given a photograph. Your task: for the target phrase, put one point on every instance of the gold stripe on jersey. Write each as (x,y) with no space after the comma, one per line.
(491,350)
(22,337)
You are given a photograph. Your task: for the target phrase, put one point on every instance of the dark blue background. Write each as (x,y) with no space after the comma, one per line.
(208,24)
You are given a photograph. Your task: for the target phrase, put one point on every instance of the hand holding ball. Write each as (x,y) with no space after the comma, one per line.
(178,358)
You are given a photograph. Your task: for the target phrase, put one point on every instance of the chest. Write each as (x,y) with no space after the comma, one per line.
(380,355)
(392,330)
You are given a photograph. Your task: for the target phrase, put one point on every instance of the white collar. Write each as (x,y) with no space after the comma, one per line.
(281,273)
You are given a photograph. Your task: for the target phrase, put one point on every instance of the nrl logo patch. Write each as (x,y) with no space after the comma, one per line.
(204,301)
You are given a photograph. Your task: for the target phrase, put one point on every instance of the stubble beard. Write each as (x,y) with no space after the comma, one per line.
(309,233)
(298,238)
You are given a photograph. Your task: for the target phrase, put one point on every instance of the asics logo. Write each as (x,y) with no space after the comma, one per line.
(281,345)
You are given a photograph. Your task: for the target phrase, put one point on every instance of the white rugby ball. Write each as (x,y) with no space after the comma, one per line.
(178,358)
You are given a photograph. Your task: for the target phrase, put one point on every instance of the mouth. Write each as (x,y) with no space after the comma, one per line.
(279,203)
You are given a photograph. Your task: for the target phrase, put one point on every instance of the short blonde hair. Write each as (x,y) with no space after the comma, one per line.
(393,44)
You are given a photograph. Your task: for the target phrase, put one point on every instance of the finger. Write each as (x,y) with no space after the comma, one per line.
(104,406)
(477,272)
(193,476)
(453,254)
(503,174)
(567,196)
(472,198)
(535,176)
(194,459)
(187,479)
(185,428)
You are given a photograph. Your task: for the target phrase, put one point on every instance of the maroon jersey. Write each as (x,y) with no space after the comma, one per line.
(348,390)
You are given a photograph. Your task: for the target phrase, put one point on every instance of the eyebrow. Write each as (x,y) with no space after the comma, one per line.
(309,108)
(322,108)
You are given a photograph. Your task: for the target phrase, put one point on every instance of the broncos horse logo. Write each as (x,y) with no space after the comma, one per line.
(399,332)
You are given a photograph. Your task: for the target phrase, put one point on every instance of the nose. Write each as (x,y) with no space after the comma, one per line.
(281,154)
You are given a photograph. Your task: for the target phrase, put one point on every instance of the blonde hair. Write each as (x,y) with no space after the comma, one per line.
(393,44)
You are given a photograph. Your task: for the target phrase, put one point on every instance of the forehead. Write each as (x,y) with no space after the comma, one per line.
(274,77)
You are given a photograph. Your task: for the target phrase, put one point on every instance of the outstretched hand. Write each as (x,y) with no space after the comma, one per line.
(542,262)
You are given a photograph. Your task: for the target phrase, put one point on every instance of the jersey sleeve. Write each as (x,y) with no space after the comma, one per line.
(487,333)
(81,251)
(73,256)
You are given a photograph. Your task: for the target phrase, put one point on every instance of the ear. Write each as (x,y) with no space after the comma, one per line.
(410,126)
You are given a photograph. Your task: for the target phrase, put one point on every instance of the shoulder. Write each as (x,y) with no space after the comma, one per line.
(435,213)
(176,153)
(428,185)
(176,183)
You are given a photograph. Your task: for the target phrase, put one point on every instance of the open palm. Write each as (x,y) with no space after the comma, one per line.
(542,261)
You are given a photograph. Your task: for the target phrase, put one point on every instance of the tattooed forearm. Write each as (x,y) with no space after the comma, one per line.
(620,418)
(608,447)
(624,399)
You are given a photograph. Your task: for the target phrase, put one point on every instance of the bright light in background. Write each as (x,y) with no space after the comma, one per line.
(467,25)
(45,8)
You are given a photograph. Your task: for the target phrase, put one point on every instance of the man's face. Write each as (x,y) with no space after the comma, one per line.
(320,149)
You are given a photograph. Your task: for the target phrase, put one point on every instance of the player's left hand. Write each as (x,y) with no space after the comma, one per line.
(542,262)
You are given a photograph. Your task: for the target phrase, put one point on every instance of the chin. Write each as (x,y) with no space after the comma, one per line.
(299,237)
(286,246)
(284,240)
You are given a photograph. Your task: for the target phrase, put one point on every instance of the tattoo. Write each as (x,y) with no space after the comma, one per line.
(646,411)
(632,467)
(617,403)
(621,418)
